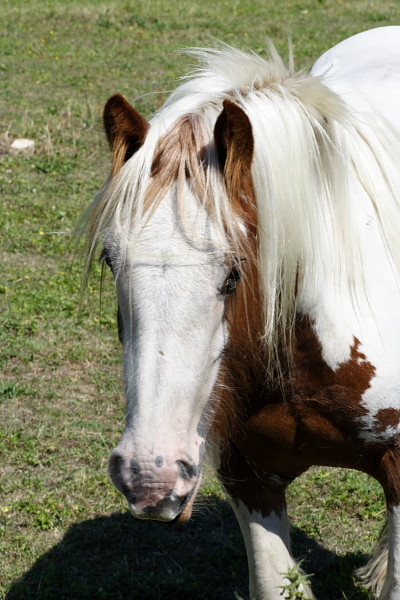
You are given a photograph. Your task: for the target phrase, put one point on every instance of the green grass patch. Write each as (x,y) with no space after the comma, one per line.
(64,532)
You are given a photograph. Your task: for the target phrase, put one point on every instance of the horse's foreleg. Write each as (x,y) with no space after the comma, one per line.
(258,500)
(267,546)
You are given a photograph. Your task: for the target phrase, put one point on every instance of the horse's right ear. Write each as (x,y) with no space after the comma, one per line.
(126,129)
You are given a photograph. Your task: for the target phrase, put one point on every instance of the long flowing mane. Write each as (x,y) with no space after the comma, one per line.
(311,150)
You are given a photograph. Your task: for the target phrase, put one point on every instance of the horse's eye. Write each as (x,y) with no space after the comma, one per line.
(231,282)
(105,258)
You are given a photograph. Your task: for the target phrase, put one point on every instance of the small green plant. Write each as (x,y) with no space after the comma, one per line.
(297,581)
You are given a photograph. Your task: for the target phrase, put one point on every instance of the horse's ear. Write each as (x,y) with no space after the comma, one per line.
(234,138)
(126,129)
(234,142)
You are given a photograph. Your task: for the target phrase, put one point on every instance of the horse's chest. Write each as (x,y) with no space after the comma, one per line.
(326,417)
(289,437)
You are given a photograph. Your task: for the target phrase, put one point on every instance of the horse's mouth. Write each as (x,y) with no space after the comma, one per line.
(161,513)
(186,512)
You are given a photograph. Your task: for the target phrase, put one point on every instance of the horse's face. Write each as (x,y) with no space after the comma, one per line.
(172,278)
(171,300)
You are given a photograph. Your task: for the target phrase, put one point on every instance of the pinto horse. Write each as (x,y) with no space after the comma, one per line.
(253,230)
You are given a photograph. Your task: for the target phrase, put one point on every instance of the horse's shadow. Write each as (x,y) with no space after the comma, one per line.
(118,558)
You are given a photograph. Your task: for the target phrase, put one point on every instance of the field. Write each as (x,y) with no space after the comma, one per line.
(64,531)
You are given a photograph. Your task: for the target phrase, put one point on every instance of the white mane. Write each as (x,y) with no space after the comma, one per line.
(310,147)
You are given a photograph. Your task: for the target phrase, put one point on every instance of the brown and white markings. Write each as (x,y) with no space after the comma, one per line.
(252,228)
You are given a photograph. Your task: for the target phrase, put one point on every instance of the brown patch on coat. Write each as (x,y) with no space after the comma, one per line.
(126,130)
(241,388)
(386,417)
(314,420)
(243,483)
(327,403)
(385,469)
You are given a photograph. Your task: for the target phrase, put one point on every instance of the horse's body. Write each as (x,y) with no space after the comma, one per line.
(290,182)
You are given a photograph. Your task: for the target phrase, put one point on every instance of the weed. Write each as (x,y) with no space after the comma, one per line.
(294,590)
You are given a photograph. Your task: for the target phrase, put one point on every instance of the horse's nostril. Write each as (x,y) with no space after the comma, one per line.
(115,462)
(187,469)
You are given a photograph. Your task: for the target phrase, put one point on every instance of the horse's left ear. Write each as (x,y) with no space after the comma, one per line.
(234,143)
(234,140)
(126,129)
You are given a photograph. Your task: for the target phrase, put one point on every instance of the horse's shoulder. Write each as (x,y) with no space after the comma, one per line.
(359,396)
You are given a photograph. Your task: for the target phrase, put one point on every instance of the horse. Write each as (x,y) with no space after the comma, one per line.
(252,228)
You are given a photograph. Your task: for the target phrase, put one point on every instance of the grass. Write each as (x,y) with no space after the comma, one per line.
(63,528)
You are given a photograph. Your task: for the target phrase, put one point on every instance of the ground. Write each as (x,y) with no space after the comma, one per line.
(64,531)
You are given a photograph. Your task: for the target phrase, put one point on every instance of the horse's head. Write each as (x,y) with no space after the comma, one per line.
(174,265)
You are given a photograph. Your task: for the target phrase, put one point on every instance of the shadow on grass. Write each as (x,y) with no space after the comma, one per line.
(118,558)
